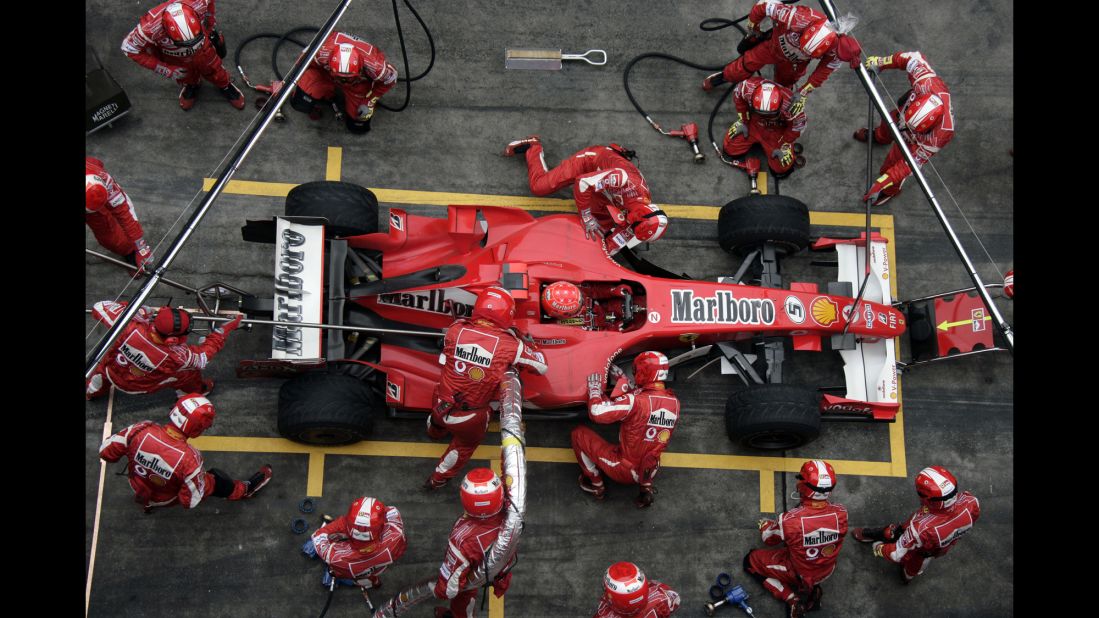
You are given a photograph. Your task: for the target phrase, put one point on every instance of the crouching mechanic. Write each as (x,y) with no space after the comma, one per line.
(111,215)
(345,67)
(766,116)
(610,193)
(359,546)
(812,536)
(945,515)
(591,306)
(648,412)
(152,352)
(627,592)
(925,120)
(476,354)
(180,41)
(164,470)
(473,534)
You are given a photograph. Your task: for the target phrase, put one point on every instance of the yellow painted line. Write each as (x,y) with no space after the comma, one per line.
(495,606)
(335,163)
(249,187)
(761,182)
(494,427)
(315,484)
(766,491)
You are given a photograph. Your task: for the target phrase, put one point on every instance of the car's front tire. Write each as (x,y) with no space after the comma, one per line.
(326,409)
(773,416)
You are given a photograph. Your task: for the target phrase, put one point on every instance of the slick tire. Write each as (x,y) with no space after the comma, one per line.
(351,210)
(746,223)
(773,416)
(326,409)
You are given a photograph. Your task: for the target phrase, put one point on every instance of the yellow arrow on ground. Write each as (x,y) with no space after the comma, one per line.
(945,326)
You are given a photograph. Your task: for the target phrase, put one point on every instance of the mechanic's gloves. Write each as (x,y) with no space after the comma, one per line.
(763,523)
(228,327)
(595,386)
(874,64)
(785,155)
(592,229)
(738,128)
(309,549)
(218,40)
(368,582)
(366,111)
(881,184)
(500,585)
(176,73)
(142,254)
(877,549)
(797,102)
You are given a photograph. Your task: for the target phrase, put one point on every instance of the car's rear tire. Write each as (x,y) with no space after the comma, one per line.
(326,409)
(773,416)
(351,210)
(746,223)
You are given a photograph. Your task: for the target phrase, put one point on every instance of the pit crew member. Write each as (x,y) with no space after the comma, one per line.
(944,516)
(591,306)
(649,413)
(164,469)
(348,68)
(483,500)
(180,41)
(627,592)
(359,546)
(925,119)
(111,215)
(610,193)
(152,352)
(811,535)
(766,115)
(476,353)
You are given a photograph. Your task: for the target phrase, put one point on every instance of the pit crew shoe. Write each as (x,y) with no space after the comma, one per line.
(187,97)
(597,490)
(431,484)
(521,145)
(796,610)
(442,612)
(258,481)
(234,95)
(812,604)
(713,81)
(861,135)
(645,499)
(869,535)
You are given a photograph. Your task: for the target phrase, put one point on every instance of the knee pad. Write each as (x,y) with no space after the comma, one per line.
(223,483)
(301,101)
(748,569)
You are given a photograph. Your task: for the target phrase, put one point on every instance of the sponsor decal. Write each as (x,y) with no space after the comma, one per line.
(554,341)
(883,319)
(298,289)
(475,347)
(846,407)
(824,311)
(721,308)
(820,536)
(476,374)
(142,355)
(828,551)
(288,291)
(105,112)
(795,333)
(868,313)
(396,222)
(978,316)
(794,309)
(663,436)
(654,317)
(450,301)
(393,391)
(663,417)
(152,463)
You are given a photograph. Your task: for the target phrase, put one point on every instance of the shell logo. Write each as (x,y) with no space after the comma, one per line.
(663,436)
(824,311)
(477,374)
(828,551)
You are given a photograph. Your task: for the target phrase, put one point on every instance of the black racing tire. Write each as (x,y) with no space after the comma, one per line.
(773,416)
(746,223)
(351,210)
(326,409)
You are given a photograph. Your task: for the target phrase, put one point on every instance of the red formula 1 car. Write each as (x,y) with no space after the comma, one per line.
(387,297)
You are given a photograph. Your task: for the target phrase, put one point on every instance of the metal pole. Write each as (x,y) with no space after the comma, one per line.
(361,329)
(273,104)
(111,260)
(871,90)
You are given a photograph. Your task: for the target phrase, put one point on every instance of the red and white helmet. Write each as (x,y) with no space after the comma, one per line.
(1009,284)
(818,38)
(95,192)
(816,480)
(345,63)
(924,112)
(625,587)
(651,225)
(937,487)
(182,25)
(767,99)
(172,322)
(650,367)
(192,415)
(482,493)
(496,305)
(366,519)
(562,299)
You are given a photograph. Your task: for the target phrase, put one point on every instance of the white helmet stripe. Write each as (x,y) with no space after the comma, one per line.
(345,57)
(930,105)
(176,13)
(823,478)
(818,37)
(944,483)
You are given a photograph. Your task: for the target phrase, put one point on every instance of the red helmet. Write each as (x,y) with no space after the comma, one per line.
(172,322)
(182,25)
(345,63)
(651,225)
(650,367)
(816,480)
(95,192)
(192,415)
(1009,284)
(366,519)
(496,305)
(625,587)
(818,38)
(482,493)
(767,99)
(562,299)
(937,487)
(924,112)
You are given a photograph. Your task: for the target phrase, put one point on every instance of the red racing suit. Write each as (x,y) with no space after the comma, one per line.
(360,561)
(774,133)
(648,415)
(377,77)
(150,46)
(475,356)
(782,49)
(812,535)
(923,146)
(661,603)
(469,541)
(113,220)
(931,534)
(140,361)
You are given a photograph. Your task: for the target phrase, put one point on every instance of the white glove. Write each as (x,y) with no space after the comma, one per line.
(176,73)
(366,112)
(592,229)
(595,386)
